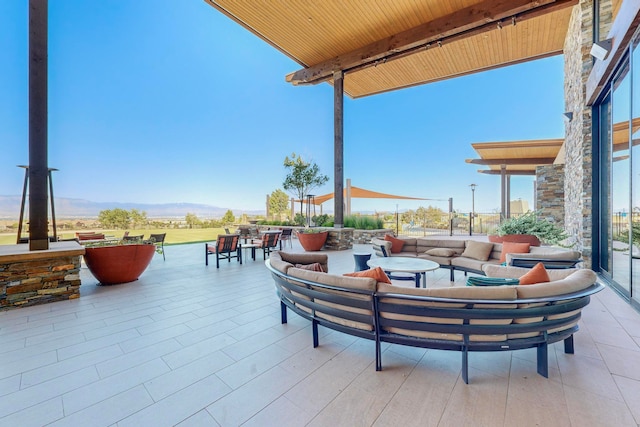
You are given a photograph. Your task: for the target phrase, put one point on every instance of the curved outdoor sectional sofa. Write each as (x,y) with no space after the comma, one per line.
(487,318)
(459,254)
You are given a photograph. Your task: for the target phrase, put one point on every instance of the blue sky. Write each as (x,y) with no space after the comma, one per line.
(170,101)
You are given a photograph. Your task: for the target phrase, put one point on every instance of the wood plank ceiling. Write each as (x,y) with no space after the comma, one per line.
(519,157)
(384,45)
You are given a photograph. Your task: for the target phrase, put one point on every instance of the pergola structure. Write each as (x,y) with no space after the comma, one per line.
(515,158)
(364,48)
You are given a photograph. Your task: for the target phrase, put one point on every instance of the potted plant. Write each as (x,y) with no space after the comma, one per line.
(312,239)
(529,228)
(118,261)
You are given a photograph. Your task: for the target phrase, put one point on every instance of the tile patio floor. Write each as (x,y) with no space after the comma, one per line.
(191,345)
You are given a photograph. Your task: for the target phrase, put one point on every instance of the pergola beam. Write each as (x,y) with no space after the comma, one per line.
(461,24)
(508,172)
(513,162)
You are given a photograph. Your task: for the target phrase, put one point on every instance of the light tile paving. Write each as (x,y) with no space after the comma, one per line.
(191,345)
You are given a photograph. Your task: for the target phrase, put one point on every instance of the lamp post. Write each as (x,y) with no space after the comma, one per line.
(473,206)
(397,222)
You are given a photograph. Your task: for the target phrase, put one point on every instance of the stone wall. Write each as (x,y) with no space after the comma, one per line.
(339,239)
(36,281)
(364,237)
(550,192)
(578,151)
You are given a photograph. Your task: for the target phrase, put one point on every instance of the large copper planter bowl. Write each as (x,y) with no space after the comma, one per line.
(515,238)
(118,264)
(312,241)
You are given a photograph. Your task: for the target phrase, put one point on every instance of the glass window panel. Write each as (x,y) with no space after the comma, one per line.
(635,172)
(620,179)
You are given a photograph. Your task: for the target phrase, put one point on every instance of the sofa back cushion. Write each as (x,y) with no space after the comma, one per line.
(478,250)
(580,279)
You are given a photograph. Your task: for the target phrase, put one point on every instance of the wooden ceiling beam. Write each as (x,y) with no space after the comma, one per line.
(508,172)
(461,24)
(512,162)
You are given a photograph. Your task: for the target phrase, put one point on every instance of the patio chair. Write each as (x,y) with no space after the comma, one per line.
(226,247)
(268,241)
(158,240)
(130,238)
(286,236)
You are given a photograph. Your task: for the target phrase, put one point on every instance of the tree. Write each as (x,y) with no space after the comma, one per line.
(192,220)
(278,202)
(302,177)
(429,217)
(115,218)
(139,219)
(228,218)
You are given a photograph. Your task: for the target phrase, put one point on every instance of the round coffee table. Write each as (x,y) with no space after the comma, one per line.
(402,264)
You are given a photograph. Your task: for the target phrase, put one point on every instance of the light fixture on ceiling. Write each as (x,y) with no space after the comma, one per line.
(601,49)
(568,116)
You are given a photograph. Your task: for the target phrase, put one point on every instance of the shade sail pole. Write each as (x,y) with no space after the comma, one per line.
(338,148)
(503,190)
(38,168)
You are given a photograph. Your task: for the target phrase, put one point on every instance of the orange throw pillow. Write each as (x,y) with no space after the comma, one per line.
(513,248)
(396,244)
(375,273)
(538,274)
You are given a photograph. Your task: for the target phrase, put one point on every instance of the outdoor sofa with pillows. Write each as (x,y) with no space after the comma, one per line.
(461,318)
(471,255)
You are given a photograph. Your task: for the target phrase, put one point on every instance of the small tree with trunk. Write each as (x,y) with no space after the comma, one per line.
(302,177)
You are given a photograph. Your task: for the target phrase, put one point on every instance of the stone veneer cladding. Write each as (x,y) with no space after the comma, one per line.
(550,192)
(578,145)
(37,281)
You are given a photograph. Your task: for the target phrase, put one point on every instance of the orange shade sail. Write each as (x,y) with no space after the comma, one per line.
(361,193)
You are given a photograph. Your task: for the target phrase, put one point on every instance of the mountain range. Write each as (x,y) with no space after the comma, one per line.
(80,208)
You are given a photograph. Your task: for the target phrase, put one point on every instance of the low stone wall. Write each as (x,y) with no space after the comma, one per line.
(344,238)
(339,239)
(29,278)
(364,237)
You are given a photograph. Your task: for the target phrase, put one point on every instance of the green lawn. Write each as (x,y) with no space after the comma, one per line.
(174,236)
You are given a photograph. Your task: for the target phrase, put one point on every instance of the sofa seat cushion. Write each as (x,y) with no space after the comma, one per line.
(480,251)
(443,261)
(470,263)
(406,254)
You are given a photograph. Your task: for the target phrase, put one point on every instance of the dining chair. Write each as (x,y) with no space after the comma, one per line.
(158,240)
(226,247)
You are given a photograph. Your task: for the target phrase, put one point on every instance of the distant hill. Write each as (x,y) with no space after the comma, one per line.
(79,208)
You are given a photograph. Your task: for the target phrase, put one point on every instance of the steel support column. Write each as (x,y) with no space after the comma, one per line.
(38,168)
(338,148)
